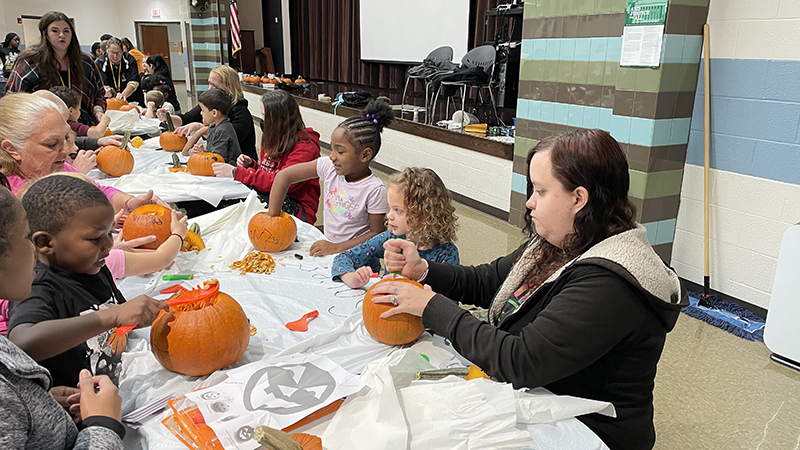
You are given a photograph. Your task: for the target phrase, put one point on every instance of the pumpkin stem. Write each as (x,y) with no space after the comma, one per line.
(125,140)
(176,162)
(170,126)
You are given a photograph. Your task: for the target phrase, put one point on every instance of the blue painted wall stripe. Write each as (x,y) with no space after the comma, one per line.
(205,21)
(519,183)
(572,49)
(202,46)
(661,232)
(206,64)
(755,119)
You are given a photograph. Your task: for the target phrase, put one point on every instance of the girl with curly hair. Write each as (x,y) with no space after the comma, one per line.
(419,211)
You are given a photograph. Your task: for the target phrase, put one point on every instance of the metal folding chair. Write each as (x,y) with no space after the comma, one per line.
(484,57)
(444,53)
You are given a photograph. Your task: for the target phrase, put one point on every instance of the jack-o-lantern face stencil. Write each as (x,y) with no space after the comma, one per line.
(288,389)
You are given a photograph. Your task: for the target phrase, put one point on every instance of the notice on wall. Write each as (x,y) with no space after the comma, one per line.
(643,35)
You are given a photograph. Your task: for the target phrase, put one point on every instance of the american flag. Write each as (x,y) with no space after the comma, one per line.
(236,36)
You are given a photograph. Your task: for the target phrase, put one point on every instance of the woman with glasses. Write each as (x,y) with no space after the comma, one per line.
(58,61)
(120,73)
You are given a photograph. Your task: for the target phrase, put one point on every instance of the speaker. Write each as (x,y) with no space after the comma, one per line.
(507,70)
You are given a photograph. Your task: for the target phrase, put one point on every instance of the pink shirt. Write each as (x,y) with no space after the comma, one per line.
(348,205)
(17,182)
(115,261)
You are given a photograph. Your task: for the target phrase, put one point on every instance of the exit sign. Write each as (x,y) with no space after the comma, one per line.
(155,12)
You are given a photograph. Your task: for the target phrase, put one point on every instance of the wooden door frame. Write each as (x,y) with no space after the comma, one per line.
(166,23)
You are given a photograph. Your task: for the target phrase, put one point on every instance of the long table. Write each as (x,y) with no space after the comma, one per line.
(297,286)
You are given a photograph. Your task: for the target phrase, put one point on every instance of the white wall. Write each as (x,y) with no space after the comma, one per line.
(139,11)
(92,18)
(484,178)
(755,154)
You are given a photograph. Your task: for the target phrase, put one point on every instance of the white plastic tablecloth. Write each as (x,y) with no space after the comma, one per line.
(298,286)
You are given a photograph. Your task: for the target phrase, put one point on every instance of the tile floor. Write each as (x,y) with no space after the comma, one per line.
(713,390)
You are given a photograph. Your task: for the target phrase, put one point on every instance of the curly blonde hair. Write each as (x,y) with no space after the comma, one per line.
(430,215)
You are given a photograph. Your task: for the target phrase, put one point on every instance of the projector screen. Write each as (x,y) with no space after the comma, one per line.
(407,30)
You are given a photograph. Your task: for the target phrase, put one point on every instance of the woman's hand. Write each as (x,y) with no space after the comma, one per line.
(132,246)
(99,397)
(222,170)
(245,161)
(179,226)
(401,256)
(145,199)
(120,96)
(188,129)
(410,299)
(115,140)
(322,248)
(358,278)
(85,161)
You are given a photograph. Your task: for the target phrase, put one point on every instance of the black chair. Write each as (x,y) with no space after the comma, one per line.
(444,53)
(484,57)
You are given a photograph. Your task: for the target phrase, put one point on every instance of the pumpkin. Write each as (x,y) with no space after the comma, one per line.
(137,142)
(265,79)
(148,220)
(107,133)
(116,161)
(307,441)
(205,336)
(169,140)
(476,372)
(127,107)
(192,242)
(115,103)
(300,80)
(287,80)
(396,330)
(200,163)
(272,234)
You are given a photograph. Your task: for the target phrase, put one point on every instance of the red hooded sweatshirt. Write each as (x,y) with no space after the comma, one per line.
(306,193)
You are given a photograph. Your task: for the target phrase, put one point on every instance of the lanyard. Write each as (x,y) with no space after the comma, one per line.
(118,80)
(69,77)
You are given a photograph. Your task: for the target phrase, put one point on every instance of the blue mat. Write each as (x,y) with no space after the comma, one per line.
(728,316)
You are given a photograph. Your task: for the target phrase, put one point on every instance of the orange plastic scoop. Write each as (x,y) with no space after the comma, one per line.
(208,290)
(301,324)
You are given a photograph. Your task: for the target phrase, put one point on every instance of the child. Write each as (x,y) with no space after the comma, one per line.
(355,199)
(420,211)
(155,100)
(65,323)
(215,104)
(285,142)
(73,102)
(30,417)
(157,84)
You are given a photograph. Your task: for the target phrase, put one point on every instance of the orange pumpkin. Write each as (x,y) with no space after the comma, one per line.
(116,161)
(192,242)
(300,80)
(148,220)
(396,330)
(169,140)
(127,107)
(204,337)
(265,79)
(115,103)
(287,80)
(200,163)
(272,234)
(307,441)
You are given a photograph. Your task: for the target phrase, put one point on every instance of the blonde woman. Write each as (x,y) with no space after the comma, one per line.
(226,78)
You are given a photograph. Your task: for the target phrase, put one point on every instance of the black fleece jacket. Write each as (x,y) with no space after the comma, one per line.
(593,332)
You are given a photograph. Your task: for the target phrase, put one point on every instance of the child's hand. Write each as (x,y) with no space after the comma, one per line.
(104,119)
(85,161)
(162,114)
(197,148)
(223,170)
(99,397)
(322,248)
(358,278)
(69,399)
(141,311)
(151,106)
(179,226)
(245,161)
(119,221)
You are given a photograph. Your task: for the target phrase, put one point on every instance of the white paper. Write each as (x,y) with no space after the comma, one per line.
(179,186)
(641,45)
(541,406)
(122,121)
(276,392)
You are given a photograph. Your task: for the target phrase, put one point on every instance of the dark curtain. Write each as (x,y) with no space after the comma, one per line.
(326,43)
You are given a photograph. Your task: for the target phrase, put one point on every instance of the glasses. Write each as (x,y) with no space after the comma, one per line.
(115,53)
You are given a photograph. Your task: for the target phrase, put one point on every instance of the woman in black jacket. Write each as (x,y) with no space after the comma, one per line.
(226,78)
(581,309)
(155,65)
(120,72)
(9,52)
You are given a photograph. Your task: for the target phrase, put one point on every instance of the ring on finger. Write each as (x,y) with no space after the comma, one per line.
(394,299)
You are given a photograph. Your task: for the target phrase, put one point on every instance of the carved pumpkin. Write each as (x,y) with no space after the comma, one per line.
(272,234)
(116,161)
(169,140)
(200,163)
(307,441)
(396,330)
(115,103)
(127,107)
(204,337)
(148,220)
(192,242)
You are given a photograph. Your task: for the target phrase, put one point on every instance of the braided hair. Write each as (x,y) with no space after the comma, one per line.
(364,131)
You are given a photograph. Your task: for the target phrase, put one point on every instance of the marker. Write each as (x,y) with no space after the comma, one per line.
(177,277)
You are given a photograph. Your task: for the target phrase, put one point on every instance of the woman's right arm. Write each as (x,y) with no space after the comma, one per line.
(284,178)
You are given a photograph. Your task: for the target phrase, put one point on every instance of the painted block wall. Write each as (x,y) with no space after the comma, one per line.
(484,178)
(755,156)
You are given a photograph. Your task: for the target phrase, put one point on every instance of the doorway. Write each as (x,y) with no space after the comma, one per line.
(163,38)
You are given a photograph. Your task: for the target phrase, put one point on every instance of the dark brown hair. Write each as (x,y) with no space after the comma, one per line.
(594,160)
(44,55)
(70,98)
(216,99)
(283,124)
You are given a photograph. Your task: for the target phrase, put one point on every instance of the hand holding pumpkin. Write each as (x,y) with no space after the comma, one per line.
(85,161)
(401,257)
(179,226)
(197,148)
(358,278)
(223,170)
(133,245)
(114,140)
(410,299)
(188,129)
(99,397)
(145,199)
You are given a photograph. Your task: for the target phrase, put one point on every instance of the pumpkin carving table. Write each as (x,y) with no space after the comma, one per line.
(297,287)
